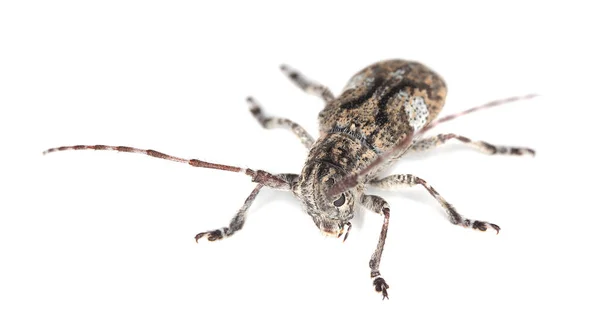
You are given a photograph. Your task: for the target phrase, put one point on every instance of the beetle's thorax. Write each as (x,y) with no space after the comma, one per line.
(333,157)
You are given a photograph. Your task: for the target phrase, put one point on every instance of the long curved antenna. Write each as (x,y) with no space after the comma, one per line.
(258,176)
(478,108)
(351,180)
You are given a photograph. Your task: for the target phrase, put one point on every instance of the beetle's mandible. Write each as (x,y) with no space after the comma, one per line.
(380,115)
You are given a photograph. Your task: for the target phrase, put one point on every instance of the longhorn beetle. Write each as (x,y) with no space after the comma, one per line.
(380,115)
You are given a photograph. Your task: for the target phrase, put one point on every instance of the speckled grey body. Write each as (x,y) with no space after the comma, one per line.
(379,116)
(373,114)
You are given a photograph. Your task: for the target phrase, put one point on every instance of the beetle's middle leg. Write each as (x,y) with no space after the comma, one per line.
(403,180)
(485,147)
(277,122)
(306,85)
(379,206)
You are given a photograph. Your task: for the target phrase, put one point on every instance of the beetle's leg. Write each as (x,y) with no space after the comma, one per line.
(379,206)
(307,85)
(276,122)
(485,147)
(237,222)
(403,180)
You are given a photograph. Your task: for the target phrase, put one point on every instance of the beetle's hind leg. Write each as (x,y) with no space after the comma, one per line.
(307,85)
(484,147)
(403,180)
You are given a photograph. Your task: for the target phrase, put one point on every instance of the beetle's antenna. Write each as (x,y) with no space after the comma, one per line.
(351,180)
(258,176)
(478,108)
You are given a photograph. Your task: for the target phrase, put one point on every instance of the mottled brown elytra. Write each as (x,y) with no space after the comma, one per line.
(380,115)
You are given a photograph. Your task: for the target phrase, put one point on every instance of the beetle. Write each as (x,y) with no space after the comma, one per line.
(381,115)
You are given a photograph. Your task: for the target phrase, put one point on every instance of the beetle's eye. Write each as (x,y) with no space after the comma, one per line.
(339,202)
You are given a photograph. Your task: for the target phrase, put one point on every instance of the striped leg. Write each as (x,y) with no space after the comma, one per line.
(276,122)
(379,206)
(404,180)
(485,147)
(236,223)
(306,85)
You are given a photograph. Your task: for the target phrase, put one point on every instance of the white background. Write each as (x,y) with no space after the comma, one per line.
(102,242)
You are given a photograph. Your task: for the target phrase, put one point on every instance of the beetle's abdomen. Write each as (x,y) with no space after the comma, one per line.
(384,102)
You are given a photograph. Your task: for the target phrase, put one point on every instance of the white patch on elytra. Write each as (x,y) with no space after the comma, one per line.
(358,80)
(398,74)
(416,111)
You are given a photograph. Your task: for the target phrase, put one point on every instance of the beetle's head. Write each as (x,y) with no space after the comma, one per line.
(331,214)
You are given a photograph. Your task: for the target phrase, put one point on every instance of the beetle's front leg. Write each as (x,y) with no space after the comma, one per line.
(379,206)
(237,222)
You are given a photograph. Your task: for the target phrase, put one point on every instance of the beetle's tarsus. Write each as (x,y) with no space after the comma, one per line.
(381,287)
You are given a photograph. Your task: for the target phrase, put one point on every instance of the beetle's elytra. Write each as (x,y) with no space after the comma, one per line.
(381,114)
